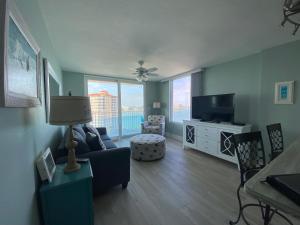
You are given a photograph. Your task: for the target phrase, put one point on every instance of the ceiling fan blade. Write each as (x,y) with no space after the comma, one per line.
(133,69)
(152,69)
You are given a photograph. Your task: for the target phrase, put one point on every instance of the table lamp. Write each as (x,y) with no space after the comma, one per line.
(156,105)
(70,110)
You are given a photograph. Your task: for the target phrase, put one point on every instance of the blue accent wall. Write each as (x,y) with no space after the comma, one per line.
(23,135)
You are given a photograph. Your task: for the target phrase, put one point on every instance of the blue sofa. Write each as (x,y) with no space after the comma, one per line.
(110,167)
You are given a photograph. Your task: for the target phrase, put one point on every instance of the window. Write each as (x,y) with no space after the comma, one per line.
(118,106)
(104,105)
(180,99)
(132,107)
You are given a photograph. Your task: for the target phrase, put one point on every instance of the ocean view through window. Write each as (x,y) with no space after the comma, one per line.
(181,99)
(132,106)
(105,97)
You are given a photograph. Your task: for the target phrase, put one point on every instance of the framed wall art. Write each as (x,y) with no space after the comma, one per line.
(284,92)
(20,63)
(52,86)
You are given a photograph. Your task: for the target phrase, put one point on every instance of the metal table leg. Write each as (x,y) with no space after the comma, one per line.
(267,217)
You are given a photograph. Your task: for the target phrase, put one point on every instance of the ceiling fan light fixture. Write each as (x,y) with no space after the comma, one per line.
(145,78)
(142,74)
(139,78)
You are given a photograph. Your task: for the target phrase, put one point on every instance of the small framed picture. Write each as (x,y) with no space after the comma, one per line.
(284,92)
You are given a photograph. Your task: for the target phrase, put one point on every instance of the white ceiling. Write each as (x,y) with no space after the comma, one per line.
(109,36)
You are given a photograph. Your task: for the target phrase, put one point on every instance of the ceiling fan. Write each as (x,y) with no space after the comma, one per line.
(143,74)
(291,14)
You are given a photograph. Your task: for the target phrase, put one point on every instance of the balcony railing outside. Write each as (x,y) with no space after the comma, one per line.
(131,123)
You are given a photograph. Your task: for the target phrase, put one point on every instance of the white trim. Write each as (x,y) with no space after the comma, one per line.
(174,136)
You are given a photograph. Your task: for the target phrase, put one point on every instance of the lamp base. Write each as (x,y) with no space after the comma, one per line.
(72,167)
(72,164)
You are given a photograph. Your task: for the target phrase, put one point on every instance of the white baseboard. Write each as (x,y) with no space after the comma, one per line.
(174,136)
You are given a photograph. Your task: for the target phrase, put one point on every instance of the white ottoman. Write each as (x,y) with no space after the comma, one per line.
(148,147)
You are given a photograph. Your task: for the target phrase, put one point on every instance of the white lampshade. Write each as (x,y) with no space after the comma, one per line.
(156,105)
(70,110)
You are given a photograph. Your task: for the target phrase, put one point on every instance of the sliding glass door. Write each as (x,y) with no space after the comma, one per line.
(132,105)
(118,106)
(104,105)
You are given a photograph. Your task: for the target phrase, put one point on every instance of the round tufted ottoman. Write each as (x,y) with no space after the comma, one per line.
(147,147)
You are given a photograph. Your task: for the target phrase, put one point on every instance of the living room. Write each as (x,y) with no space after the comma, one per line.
(172,88)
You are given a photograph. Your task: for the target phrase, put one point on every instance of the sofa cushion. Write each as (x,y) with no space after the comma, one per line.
(105,137)
(109,144)
(79,129)
(153,127)
(82,147)
(93,142)
(93,130)
(90,128)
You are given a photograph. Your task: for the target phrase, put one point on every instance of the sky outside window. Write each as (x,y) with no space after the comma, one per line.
(133,93)
(181,101)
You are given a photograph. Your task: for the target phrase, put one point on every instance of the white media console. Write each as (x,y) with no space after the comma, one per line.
(212,138)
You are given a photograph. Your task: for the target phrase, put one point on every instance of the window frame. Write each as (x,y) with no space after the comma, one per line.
(118,81)
(171,97)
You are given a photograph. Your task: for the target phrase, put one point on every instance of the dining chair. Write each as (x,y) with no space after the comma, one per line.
(276,139)
(250,152)
(249,149)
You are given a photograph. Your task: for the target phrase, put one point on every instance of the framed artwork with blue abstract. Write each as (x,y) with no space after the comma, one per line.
(20,61)
(284,92)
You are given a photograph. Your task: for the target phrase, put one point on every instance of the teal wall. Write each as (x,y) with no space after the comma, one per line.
(23,134)
(253,78)
(242,77)
(74,82)
(151,91)
(280,64)
(54,87)
(171,127)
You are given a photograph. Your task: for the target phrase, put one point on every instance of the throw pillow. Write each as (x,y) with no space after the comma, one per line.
(82,147)
(93,141)
(93,130)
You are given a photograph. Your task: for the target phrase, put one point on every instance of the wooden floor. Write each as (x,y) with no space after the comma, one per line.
(184,188)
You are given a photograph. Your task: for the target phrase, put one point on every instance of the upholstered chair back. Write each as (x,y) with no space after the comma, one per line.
(156,119)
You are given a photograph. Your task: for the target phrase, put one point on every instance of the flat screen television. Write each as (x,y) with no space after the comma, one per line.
(218,108)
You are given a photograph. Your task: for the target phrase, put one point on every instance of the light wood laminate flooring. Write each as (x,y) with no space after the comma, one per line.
(186,187)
